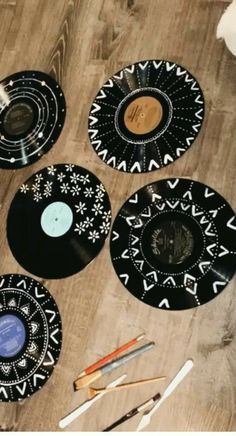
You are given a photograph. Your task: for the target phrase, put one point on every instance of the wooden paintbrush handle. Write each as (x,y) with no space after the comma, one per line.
(87,379)
(128,385)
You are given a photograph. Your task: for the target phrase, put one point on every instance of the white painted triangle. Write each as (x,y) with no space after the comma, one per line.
(38,295)
(195,127)
(194,87)
(21,389)
(51,361)
(167,158)
(189,278)
(102,94)
(213,212)
(25,309)
(3,391)
(93,133)
(165,303)
(189,140)
(170,280)
(52,336)
(209,249)
(125,254)
(22,284)
(141,263)
(230,225)
(153,164)
(169,66)
(204,220)
(51,312)
(6,369)
(115,235)
(143,66)
(130,69)
(22,363)
(223,252)
(187,79)
(109,84)
(160,206)
(157,65)
(119,76)
(97,144)
(34,326)
(122,165)
(207,231)
(188,194)
(194,212)
(172,206)
(112,161)
(208,193)
(103,154)
(185,206)
(197,114)
(148,213)
(179,151)
(93,121)
(173,184)
(135,239)
(216,286)
(32,348)
(135,251)
(202,265)
(95,108)
(156,197)
(134,199)
(180,72)
(130,219)
(37,377)
(137,166)
(147,286)
(125,277)
(12,303)
(198,100)
(152,274)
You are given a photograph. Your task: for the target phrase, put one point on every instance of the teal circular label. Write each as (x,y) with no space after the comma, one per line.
(12,335)
(56,219)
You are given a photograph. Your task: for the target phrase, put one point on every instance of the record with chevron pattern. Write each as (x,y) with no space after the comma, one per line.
(173,244)
(30,336)
(146,116)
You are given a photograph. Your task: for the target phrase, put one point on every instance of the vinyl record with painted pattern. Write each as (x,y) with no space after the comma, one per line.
(173,244)
(30,336)
(146,116)
(58,221)
(32,115)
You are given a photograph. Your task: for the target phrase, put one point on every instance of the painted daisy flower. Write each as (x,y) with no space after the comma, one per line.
(60,177)
(65,188)
(74,178)
(88,192)
(105,227)
(93,235)
(38,178)
(24,188)
(47,193)
(80,228)
(35,187)
(97,209)
(37,196)
(84,179)
(99,196)
(88,222)
(75,190)
(100,187)
(48,186)
(106,215)
(80,208)
(69,167)
(51,170)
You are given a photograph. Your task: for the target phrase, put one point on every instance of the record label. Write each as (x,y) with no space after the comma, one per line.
(30,336)
(146,116)
(58,221)
(32,115)
(173,244)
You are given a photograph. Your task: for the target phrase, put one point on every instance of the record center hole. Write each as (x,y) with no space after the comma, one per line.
(143,115)
(18,119)
(12,335)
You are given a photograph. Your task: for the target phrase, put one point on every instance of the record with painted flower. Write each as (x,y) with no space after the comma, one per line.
(58,221)
(173,244)
(146,116)
(32,115)
(30,336)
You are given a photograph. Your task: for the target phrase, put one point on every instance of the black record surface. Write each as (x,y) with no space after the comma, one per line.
(30,336)
(32,115)
(173,244)
(146,116)
(58,221)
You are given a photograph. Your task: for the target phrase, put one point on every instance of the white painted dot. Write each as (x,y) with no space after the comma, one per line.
(40,135)
(43,83)
(12,160)
(11,83)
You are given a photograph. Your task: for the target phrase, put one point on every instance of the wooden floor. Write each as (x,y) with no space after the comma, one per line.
(82,43)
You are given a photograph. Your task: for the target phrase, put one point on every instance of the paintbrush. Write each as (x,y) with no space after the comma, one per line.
(90,378)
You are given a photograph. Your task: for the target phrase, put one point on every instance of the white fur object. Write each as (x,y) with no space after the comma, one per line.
(226,28)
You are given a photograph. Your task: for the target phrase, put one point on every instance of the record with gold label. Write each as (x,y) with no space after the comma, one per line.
(30,336)
(58,221)
(173,244)
(146,116)
(32,115)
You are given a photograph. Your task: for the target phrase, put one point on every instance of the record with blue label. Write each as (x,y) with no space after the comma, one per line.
(58,221)
(146,116)
(173,244)
(30,336)
(32,115)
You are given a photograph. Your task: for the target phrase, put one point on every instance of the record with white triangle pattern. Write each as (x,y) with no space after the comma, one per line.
(30,336)
(146,116)
(173,244)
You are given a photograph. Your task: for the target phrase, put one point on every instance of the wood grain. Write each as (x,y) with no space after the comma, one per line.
(82,43)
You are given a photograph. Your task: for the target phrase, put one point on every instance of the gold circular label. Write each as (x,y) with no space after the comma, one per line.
(143,115)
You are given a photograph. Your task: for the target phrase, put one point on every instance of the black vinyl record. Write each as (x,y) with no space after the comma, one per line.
(32,115)
(173,244)
(58,221)
(146,116)
(30,336)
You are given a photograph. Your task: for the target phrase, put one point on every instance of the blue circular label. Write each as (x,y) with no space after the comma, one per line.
(12,335)
(56,219)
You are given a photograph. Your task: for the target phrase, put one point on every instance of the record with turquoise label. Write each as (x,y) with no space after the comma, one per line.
(173,244)
(30,336)
(146,116)
(58,221)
